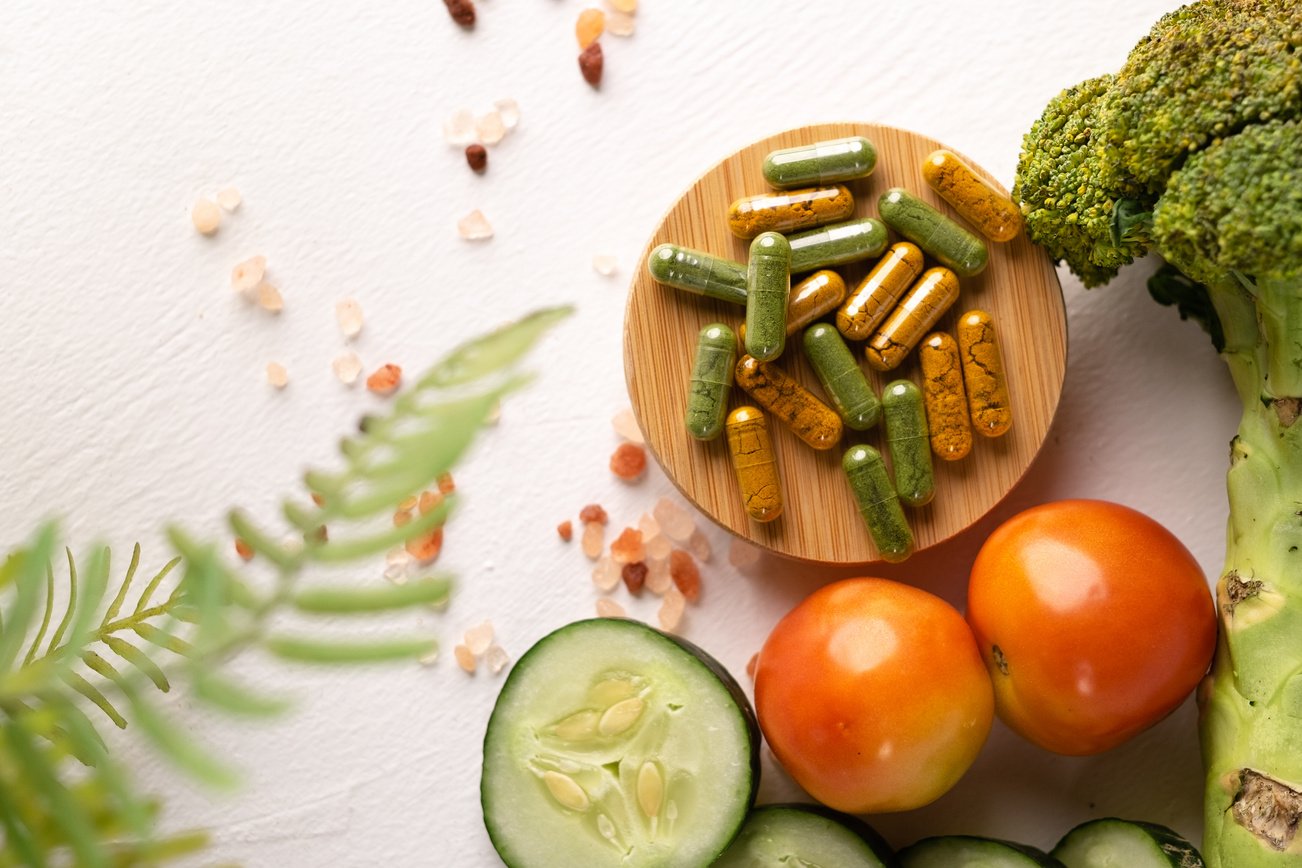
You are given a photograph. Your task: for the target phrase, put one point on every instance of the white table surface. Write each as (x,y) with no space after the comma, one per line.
(134,383)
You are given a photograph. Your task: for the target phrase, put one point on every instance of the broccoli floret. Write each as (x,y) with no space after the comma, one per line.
(1079,220)
(1204,72)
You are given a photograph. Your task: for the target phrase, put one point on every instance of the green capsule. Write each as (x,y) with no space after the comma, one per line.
(952,246)
(768,285)
(841,376)
(837,244)
(878,504)
(908,439)
(698,272)
(707,396)
(821,162)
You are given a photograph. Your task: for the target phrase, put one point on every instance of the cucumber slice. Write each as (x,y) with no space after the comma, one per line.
(805,836)
(965,851)
(1113,843)
(615,744)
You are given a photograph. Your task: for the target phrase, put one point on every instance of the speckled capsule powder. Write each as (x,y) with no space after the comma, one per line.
(877,294)
(754,462)
(906,438)
(984,374)
(842,379)
(878,504)
(821,162)
(768,286)
(819,293)
(945,399)
(809,418)
(707,395)
(787,212)
(924,304)
(837,244)
(977,201)
(698,273)
(950,244)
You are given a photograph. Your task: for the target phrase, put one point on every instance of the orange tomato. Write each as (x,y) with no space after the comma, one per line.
(873,696)
(1094,621)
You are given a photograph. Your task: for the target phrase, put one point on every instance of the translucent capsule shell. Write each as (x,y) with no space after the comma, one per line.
(984,374)
(789,211)
(821,162)
(768,286)
(754,462)
(837,244)
(878,504)
(842,379)
(699,273)
(906,438)
(820,293)
(711,381)
(948,243)
(948,424)
(975,199)
(877,294)
(782,395)
(924,304)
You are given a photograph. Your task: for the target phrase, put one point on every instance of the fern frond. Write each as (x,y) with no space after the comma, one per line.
(173,743)
(116,606)
(365,601)
(25,569)
(93,693)
(299,649)
(140,660)
(45,619)
(163,639)
(68,613)
(148,594)
(40,774)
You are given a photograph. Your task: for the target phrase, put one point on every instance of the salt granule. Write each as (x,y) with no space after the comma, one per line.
(479,637)
(490,128)
(246,276)
(675,522)
(459,128)
(649,526)
(658,547)
(604,264)
(606,574)
(699,544)
(634,576)
(620,23)
(608,608)
(229,199)
(627,547)
(277,375)
(466,660)
(496,658)
(671,610)
(509,111)
(625,424)
(206,216)
(474,226)
(626,6)
(743,555)
(686,575)
(347,367)
(348,313)
(658,579)
(429,658)
(270,299)
(594,537)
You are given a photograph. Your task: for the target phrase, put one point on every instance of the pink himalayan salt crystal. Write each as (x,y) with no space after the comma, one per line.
(627,547)
(686,575)
(270,299)
(206,216)
(675,522)
(594,538)
(277,375)
(671,609)
(229,199)
(608,608)
(490,128)
(604,264)
(429,658)
(625,425)
(246,276)
(699,545)
(658,580)
(649,526)
(751,664)
(606,574)
(459,128)
(348,313)
(496,658)
(628,7)
(475,226)
(658,547)
(509,111)
(742,554)
(479,637)
(347,367)
(620,23)
(465,659)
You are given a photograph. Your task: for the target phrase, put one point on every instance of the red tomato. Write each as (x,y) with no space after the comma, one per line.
(1095,623)
(873,696)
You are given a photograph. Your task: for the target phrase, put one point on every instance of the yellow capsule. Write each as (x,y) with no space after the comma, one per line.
(973,197)
(812,421)
(924,303)
(814,296)
(983,373)
(754,462)
(789,210)
(942,391)
(872,299)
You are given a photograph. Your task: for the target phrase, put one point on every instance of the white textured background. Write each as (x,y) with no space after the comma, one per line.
(133,378)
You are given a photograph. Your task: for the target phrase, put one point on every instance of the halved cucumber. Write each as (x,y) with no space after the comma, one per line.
(805,836)
(965,851)
(1113,843)
(615,744)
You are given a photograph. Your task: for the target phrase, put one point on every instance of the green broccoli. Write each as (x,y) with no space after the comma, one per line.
(1194,150)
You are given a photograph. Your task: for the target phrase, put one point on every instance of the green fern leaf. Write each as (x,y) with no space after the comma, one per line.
(83,736)
(364,601)
(163,639)
(335,651)
(71,610)
(25,569)
(148,594)
(116,606)
(496,350)
(140,660)
(45,619)
(223,693)
(39,773)
(18,842)
(174,744)
(93,693)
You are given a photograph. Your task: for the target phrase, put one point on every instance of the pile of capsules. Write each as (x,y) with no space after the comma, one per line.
(892,310)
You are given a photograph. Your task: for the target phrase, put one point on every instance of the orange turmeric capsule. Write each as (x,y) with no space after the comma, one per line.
(973,197)
(812,421)
(789,210)
(873,299)
(754,462)
(983,374)
(926,301)
(814,296)
(942,391)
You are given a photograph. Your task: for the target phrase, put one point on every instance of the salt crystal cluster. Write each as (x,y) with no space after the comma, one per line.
(475,226)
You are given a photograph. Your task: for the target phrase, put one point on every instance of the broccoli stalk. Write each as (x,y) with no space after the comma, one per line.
(1194,150)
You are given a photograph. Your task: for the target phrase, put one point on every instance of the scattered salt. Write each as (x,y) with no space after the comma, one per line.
(627,547)
(459,128)
(751,664)
(626,6)
(348,313)
(604,264)
(430,658)
(608,608)
(675,522)
(347,367)
(658,579)
(490,128)
(658,547)
(589,27)
(509,111)
(671,610)
(246,276)
(620,23)
(465,659)
(594,538)
(277,375)
(742,554)
(699,544)
(685,573)
(206,216)
(649,526)
(496,658)
(625,424)
(606,574)
(479,637)
(474,226)
(270,299)
(229,199)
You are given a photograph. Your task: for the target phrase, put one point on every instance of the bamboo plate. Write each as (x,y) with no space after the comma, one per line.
(820,521)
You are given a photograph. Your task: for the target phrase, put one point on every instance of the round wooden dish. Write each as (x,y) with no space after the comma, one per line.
(820,521)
